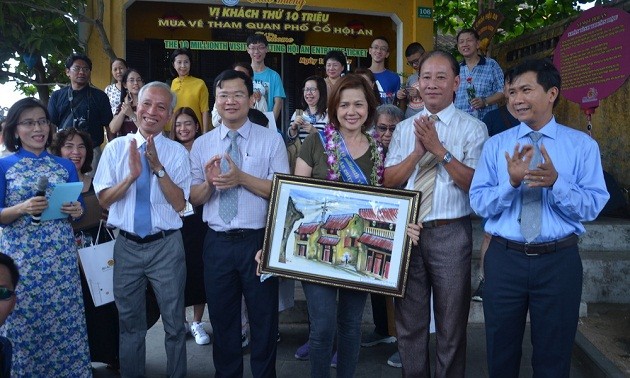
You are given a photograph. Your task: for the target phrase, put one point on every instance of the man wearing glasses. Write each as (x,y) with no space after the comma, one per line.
(408,98)
(80,105)
(267,82)
(388,82)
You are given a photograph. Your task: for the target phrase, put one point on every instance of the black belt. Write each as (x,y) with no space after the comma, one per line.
(237,233)
(538,248)
(148,238)
(441,222)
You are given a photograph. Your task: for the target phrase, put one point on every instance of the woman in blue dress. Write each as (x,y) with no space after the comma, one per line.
(47,328)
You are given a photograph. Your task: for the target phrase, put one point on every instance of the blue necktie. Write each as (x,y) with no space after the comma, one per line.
(531,209)
(228,201)
(142,215)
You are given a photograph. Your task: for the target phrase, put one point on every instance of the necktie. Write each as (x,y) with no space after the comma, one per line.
(142,214)
(531,209)
(228,200)
(425,180)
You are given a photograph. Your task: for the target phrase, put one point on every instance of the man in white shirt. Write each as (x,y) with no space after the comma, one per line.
(232,168)
(144,180)
(441,261)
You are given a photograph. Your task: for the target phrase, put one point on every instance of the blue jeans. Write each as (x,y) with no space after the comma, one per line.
(326,318)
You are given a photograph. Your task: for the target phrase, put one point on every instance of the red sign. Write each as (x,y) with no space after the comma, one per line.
(593,55)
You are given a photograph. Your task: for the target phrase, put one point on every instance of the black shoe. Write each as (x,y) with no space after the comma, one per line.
(478,295)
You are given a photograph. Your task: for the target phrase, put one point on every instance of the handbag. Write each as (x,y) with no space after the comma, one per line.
(97,262)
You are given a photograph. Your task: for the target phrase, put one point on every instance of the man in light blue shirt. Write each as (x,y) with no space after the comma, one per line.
(535,216)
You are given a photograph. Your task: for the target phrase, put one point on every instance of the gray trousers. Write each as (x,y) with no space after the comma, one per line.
(162,263)
(440,262)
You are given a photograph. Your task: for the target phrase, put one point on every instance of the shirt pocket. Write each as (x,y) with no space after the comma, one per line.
(255,166)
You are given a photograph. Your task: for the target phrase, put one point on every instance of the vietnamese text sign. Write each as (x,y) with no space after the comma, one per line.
(593,54)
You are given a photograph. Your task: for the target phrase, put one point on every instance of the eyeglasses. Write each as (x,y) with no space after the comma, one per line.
(80,69)
(257,48)
(6,294)
(309,90)
(414,63)
(382,48)
(384,128)
(134,81)
(30,123)
(187,124)
(235,96)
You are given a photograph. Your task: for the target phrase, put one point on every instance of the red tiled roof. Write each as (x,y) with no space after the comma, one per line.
(337,222)
(383,215)
(307,228)
(376,241)
(328,240)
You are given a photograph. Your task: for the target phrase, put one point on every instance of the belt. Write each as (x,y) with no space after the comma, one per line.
(538,248)
(442,222)
(237,233)
(148,238)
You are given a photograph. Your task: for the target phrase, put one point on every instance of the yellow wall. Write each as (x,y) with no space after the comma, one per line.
(145,23)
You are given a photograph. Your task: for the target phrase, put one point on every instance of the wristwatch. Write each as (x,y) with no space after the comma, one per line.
(485,102)
(447,158)
(161,173)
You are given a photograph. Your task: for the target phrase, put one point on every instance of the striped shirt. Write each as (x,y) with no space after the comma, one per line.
(318,120)
(463,136)
(263,153)
(114,167)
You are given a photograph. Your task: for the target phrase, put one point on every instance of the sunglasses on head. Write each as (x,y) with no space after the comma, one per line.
(6,294)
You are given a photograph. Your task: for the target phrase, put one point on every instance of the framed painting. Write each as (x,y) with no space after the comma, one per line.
(340,234)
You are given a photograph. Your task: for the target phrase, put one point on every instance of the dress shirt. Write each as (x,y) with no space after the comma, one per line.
(579,193)
(114,167)
(263,153)
(487,78)
(463,136)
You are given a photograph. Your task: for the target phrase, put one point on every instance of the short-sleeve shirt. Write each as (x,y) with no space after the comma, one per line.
(269,83)
(114,167)
(388,83)
(193,93)
(486,77)
(89,103)
(313,154)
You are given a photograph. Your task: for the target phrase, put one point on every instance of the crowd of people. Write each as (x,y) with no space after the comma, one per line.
(187,188)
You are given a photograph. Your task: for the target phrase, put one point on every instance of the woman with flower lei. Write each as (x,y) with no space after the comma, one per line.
(342,152)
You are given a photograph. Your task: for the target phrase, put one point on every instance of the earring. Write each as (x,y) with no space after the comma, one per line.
(17,143)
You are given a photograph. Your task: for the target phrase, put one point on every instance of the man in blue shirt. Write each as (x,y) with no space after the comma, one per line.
(535,216)
(482,78)
(388,82)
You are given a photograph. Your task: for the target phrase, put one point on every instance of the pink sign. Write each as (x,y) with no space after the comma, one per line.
(593,55)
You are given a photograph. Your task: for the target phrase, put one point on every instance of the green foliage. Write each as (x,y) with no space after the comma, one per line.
(520,16)
(30,28)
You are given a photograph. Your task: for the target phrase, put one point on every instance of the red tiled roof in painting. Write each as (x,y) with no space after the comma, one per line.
(383,215)
(307,228)
(377,241)
(337,222)
(328,240)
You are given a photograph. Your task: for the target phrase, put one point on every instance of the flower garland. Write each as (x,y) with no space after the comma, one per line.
(332,150)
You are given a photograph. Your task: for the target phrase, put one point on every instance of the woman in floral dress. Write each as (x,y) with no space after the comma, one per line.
(47,328)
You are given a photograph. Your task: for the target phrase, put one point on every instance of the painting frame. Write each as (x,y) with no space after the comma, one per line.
(334,233)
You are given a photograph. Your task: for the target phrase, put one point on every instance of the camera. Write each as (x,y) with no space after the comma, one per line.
(79,123)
